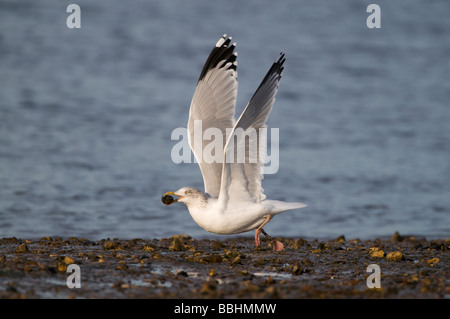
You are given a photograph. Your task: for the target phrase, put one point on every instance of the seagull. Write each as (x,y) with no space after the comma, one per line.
(234,200)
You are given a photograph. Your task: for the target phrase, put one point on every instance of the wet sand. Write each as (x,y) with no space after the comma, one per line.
(183,267)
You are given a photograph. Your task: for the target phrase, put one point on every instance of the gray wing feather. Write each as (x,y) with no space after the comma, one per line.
(214,104)
(243,181)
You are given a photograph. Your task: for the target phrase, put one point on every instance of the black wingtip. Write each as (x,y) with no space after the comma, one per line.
(275,71)
(222,51)
(281,58)
(278,65)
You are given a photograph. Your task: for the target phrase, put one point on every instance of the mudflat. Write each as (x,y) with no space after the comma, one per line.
(184,267)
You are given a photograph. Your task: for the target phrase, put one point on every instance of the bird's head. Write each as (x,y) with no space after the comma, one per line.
(186,195)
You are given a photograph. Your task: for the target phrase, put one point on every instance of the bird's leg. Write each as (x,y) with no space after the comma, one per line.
(259,230)
(257,239)
(276,245)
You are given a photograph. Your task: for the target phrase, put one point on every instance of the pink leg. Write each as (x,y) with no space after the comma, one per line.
(259,229)
(276,245)
(257,238)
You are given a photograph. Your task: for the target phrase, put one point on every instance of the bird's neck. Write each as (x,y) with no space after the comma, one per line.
(200,203)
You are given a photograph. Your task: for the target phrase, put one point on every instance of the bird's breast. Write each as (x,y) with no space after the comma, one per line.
(234,220)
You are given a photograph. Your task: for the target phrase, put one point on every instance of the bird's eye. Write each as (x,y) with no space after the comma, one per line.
(187,192)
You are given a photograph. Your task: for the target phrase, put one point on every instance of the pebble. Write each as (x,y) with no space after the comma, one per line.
(433,261)
(181,273)
(21,248)
(217,245)
(176,245)
(376,252)
(212,272)
(206,259)
(395,256)
(270,280)
(110,245)
(148,248)
(299,243)
(121,266)
(68,260)
(396,237)
(321,247)
(237,260)
(62,267)
(297,270)
(208,286)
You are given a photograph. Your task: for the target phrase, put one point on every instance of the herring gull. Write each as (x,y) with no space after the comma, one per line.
(233,201)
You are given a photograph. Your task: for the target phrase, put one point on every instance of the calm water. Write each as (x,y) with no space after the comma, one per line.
(86,114)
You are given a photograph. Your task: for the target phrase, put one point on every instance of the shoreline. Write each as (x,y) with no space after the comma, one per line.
(183,267)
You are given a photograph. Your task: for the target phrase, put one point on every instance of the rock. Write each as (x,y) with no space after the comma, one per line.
(233,254)
(11,287)
(21,248)
(397,237)
(432,261)
(249,288)
(395,256)
(206,259)
(322,247)
(27,268)
(237,260)
(10,240)
(340,239)
(211,259)
(212,272)
(51,270)
(208,286)
(297,270)
(259,262)
(148,248)
(62,267)
(355,241)
(270,280)
(299,243)
(118,284)
(88,242)
(437,244)
(217,245)
(121,266)
(110,245)
(68,260)
(246,274)
(181,273)
(156,256)
(181,237)
(376,252)
(176,245)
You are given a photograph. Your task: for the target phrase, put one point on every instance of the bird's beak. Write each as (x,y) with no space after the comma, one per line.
(174,201)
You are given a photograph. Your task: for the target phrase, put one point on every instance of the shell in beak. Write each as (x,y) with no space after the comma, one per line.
(167,199)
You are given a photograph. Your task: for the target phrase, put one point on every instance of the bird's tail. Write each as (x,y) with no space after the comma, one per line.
(280,207)
(295,205)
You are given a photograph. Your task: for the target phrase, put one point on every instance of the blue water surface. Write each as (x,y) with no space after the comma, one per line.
(86,115)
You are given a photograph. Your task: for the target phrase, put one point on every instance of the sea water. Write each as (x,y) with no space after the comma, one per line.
(86,114)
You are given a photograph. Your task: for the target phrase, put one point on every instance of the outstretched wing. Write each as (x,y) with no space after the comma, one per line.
(241,179)
(213,107)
